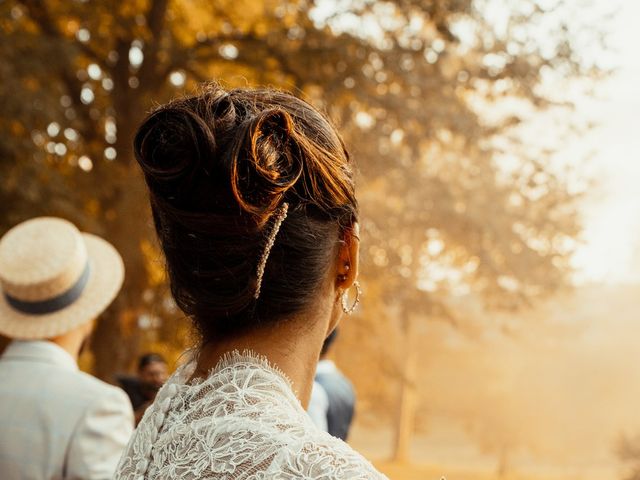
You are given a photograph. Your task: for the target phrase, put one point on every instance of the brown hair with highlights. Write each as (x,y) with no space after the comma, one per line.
(218,165)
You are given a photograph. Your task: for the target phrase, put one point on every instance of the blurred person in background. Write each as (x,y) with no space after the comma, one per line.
(318,406)
(142,389)
(253,200)
(56,421)
(332,399)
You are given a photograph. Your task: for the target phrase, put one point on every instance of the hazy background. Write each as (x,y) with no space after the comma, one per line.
(557,395)
(498,155)
(612,235)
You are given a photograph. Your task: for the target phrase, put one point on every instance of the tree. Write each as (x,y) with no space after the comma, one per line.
(408,82)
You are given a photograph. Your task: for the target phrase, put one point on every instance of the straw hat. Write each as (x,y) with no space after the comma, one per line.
(54,278)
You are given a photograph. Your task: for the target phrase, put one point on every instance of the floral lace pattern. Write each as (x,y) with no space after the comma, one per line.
(243,422)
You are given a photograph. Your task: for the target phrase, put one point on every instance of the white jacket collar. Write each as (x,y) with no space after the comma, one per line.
(40,351)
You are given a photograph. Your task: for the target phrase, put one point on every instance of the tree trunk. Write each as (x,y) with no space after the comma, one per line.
(503,462)
(407,397)
(125,215)
(116,339)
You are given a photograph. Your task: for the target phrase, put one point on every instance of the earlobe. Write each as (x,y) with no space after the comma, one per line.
(343,277)
(353,252)
(346,274)
(347,271)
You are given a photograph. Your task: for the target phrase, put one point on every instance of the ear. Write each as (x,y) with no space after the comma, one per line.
(347,267)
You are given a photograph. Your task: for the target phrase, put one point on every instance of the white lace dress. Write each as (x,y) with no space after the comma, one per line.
(243,422)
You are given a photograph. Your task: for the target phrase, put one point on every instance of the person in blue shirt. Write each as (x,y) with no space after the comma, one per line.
(333,398)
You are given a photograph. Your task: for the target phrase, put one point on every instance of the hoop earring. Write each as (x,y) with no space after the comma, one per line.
(346,308)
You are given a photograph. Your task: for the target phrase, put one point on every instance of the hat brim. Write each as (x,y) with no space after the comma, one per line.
(105,281)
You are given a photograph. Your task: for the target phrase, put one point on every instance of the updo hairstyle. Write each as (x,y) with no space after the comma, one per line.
(219,167)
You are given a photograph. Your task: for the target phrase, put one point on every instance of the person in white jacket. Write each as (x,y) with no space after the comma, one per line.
(56,422)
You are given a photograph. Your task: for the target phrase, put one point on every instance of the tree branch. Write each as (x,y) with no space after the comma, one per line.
(40,15)
(156,16)
(155,19)
(38,12)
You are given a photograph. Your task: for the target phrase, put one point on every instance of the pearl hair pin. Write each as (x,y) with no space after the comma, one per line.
(280,214)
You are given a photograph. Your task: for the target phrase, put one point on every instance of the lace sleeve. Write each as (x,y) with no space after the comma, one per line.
(322,458)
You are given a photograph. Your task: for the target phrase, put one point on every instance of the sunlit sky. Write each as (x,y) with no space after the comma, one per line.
(611,252)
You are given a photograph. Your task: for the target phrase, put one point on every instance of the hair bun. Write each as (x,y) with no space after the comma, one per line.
(266,162)
(171,146)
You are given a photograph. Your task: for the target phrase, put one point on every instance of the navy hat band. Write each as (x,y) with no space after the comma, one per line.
(54,304)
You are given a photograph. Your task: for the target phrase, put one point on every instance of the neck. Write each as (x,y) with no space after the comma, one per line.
(72,341)
(292,346)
